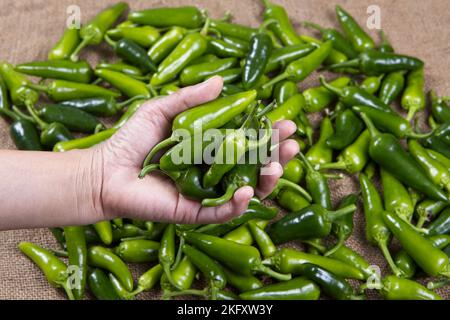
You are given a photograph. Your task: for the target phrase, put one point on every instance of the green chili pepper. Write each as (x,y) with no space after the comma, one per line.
(413,98)
(61,90)
(197,73)
(210,115)
(359,39)
(318,98)
(148,279)
(291,200)
(334,56)
(240,258)
(320,152)
(191,47)
(257,57)
(442,132)
(187,17)
(439,157)
(265,244)
(242,283)
(437,144)
(288,260)
(432,260)
(229,76)
(102,107)
(387,151)
(296,289)
(283,29)
(54,269)
(332,285)
(168,89)
(353,96)
(285,55)
(241,44)
(65,45)
(396,198)
(25,135)
(436,171)
(441,225)
(348,129)
(224,49)
(58,69)
(125,84)
(165,44)
(104,231)
(124,68)
(101,286)
(134,54)
(394,288)
(233,30)
(166,252)
(143,36)
(312,222)
(103,258)
(293,171)
(92,33)
(298,70)
(17,83)
(288,110)
(77,251)
(427,210)
(284,90)
(391,86)
(138,250)
(377,233)
(439,108)
(242,234)
(372,84)
(120,289)
(129,231)
(375,63)
(84,142)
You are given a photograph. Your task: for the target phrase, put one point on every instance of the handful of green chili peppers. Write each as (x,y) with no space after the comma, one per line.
(163,49)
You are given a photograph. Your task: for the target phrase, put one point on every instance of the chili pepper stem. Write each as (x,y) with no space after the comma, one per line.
(276,275)
(147,169)
(99,128)
(21,114)
(266,109)
(109,41)
(329,86)
(38,120)
(354,63)
(37,87)
(411,112)
(179,254)
(339,244)
(334,215)
(265,24)
(316,246)
(137,291)
(220,200)
(67,290)
(75,54)
(382,244)
(433,285)
(163,144)
(280,77)
(314,26)
(205,29)
(283,183)
(421,221)
(59,253)
(335,176)
(370,126)
(123,104)
(339,165)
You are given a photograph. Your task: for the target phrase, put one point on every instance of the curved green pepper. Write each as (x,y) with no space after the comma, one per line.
(396,197)
(318,98)
(104,231)
(348,128)
(296,289)
(125,84)
(413,98)
(233,30)
(124,68)
(284,90)
(65,45)
(139,250)
(143,36)
(262,239)
(73,119)
(165,44)
(288,110)
(428,209)
(439,108)
(100,285)
(242,283)
(285,55)
(441,225)
(394,288)
(188,17)
(17,85)
(77,251)
(197,73)
(102,107)
(148,279)
(392,86)
(320,152)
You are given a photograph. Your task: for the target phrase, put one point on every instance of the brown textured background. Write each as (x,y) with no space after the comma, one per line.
(30,28)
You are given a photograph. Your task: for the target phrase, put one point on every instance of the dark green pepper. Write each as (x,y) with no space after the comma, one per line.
(188,17)
(101,286)
(348,128)
(441,225)
(392,86)
(439,108)
(296,289)
(101,107)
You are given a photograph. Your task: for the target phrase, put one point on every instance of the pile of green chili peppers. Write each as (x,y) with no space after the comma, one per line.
(161,50)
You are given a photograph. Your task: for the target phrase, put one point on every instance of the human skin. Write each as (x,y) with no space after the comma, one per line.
(46,189)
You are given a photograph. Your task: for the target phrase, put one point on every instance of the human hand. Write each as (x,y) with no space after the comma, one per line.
(155,197)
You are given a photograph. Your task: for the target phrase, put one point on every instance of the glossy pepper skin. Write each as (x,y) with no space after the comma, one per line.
(432,260)
(288,110)
(394,288)
(17,83)
(197,73)
(262,239)
(290,200)
(73,119)
(293,171)
(104,231)
(285,55)
(334,56)
(53,268)
(439,157)
(103,258)
(61,90)
(399,163)
(188,17)
(283,29)
(242,234)
(374,63)
(296,289)
(289,260)
(257,58)
(320,152)
(191,47)
(133,53)
(92,32)
(396,196)
(392,86)
(312,222)
(125,84)
(166,43)
(25,135)
(148,279)
(100,285)
(58,69)
(348,128)
(441,225)
(233,30)
(427,210)
(439,108)
(124,68)
(77,251)
(224,49)
(240,258)
(242,283)
(359,39)
(284,90)
(298,70)
(65,45)
(372,84)
(137,251)
(84,142)
(333,286)
(143,36)
(318,98)
(101,107)
(413,98)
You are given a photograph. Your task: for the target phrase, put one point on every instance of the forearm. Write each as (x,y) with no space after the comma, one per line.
(49,189)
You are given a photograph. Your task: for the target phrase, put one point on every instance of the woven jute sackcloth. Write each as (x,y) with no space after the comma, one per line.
(30,28)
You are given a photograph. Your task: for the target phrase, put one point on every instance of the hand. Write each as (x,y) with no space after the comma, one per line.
(155,197)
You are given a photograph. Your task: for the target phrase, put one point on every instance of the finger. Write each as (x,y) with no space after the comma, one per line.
(189,97)
(283,130)
(227,211)
(285,151)
(268,179)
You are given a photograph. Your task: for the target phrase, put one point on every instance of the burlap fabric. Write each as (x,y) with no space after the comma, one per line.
(30,28)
